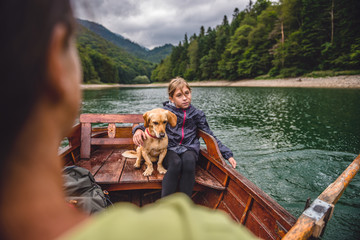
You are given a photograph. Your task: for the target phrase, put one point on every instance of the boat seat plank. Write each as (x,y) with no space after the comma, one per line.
(111,170)
(109,167)
(156,176)
(204,178)
(132,175)
(111,141)
(98,158)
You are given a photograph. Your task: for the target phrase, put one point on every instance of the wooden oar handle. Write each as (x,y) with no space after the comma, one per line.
(313,220)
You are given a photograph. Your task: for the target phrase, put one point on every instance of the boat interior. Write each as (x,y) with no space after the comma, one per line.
(97,144)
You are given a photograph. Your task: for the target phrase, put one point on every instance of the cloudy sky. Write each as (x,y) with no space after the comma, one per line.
(153,23)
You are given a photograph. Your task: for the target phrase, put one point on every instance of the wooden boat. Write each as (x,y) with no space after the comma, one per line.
(218,186)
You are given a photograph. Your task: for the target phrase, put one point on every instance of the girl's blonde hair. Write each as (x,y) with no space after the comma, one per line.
(175,83)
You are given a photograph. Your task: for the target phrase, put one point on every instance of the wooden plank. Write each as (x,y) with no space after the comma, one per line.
(75,136)
(130,186)
(150,196)
(247,209)
(156,176)
(256,226)
(267,220)
(111,141)
(111,118)
(204,178)
(85,140)
(98,130)
(111,170)
(252,221)
(227,210)
(96,161)
(201,177)
(136,198)
(213,197)
(76,153)
(237,207)
(131,174)
(123,132)
(121,186)
(199,198)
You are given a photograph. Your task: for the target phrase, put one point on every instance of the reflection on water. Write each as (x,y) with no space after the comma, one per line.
(290,142)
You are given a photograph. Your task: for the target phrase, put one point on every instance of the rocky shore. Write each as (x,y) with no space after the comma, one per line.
(350,81)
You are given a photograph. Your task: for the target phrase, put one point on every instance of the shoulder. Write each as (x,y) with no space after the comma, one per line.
(175,214)
(196,111)
(197,114)
(169,107)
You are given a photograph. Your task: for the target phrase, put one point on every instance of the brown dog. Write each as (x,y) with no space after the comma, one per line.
(156,142)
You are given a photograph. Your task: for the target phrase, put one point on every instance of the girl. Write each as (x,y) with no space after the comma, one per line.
(184,146)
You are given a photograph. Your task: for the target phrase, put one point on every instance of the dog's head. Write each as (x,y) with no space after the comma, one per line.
(157,119)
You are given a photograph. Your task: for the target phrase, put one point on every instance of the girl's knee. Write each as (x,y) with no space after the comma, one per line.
(189,161)
(174,164)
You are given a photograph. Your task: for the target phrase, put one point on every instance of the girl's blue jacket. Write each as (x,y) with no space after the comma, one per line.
(183,136)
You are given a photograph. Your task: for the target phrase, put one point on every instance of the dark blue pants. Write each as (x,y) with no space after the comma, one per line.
(180,169)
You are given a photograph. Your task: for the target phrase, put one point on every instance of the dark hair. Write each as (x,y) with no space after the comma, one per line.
(26,29)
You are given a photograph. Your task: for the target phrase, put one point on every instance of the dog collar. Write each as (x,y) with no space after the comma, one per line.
(147,131)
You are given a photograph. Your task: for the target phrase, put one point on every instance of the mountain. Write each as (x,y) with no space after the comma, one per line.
(155,55)
(103,61)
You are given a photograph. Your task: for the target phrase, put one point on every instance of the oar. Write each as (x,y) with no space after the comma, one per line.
(312,221)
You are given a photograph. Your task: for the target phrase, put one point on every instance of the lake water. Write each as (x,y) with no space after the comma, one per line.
(291,142)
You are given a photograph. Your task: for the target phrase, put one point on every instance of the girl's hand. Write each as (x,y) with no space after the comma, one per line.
(139,137)
(232,162)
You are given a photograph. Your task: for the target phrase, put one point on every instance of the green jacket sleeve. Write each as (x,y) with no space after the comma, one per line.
(174,217)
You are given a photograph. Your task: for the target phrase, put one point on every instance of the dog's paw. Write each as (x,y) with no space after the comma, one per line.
(137,164)
(147,172)
(162,170)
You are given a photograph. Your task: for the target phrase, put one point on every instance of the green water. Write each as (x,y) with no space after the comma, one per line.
(290,142)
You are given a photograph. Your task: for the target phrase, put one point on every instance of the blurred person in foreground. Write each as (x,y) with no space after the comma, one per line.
(39,100)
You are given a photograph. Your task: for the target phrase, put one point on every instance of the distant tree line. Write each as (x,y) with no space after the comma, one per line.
(284,39)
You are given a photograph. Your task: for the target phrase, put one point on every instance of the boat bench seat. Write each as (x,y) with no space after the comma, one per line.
(101,153)
(115,172)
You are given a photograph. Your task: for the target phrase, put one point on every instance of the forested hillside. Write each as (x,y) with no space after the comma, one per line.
(102,61)
(284,39)
(155,55)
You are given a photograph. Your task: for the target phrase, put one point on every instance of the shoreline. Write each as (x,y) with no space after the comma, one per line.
(346,81)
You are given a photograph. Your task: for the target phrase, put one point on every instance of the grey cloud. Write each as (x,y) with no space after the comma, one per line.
(155,22)
(97,10)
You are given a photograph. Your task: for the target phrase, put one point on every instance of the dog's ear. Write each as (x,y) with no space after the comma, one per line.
(146,117)
(171,118)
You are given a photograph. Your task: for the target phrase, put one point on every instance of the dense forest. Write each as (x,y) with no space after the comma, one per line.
(104,62)
(283,39)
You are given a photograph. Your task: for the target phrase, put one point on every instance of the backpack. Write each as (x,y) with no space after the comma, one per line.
(82,191)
